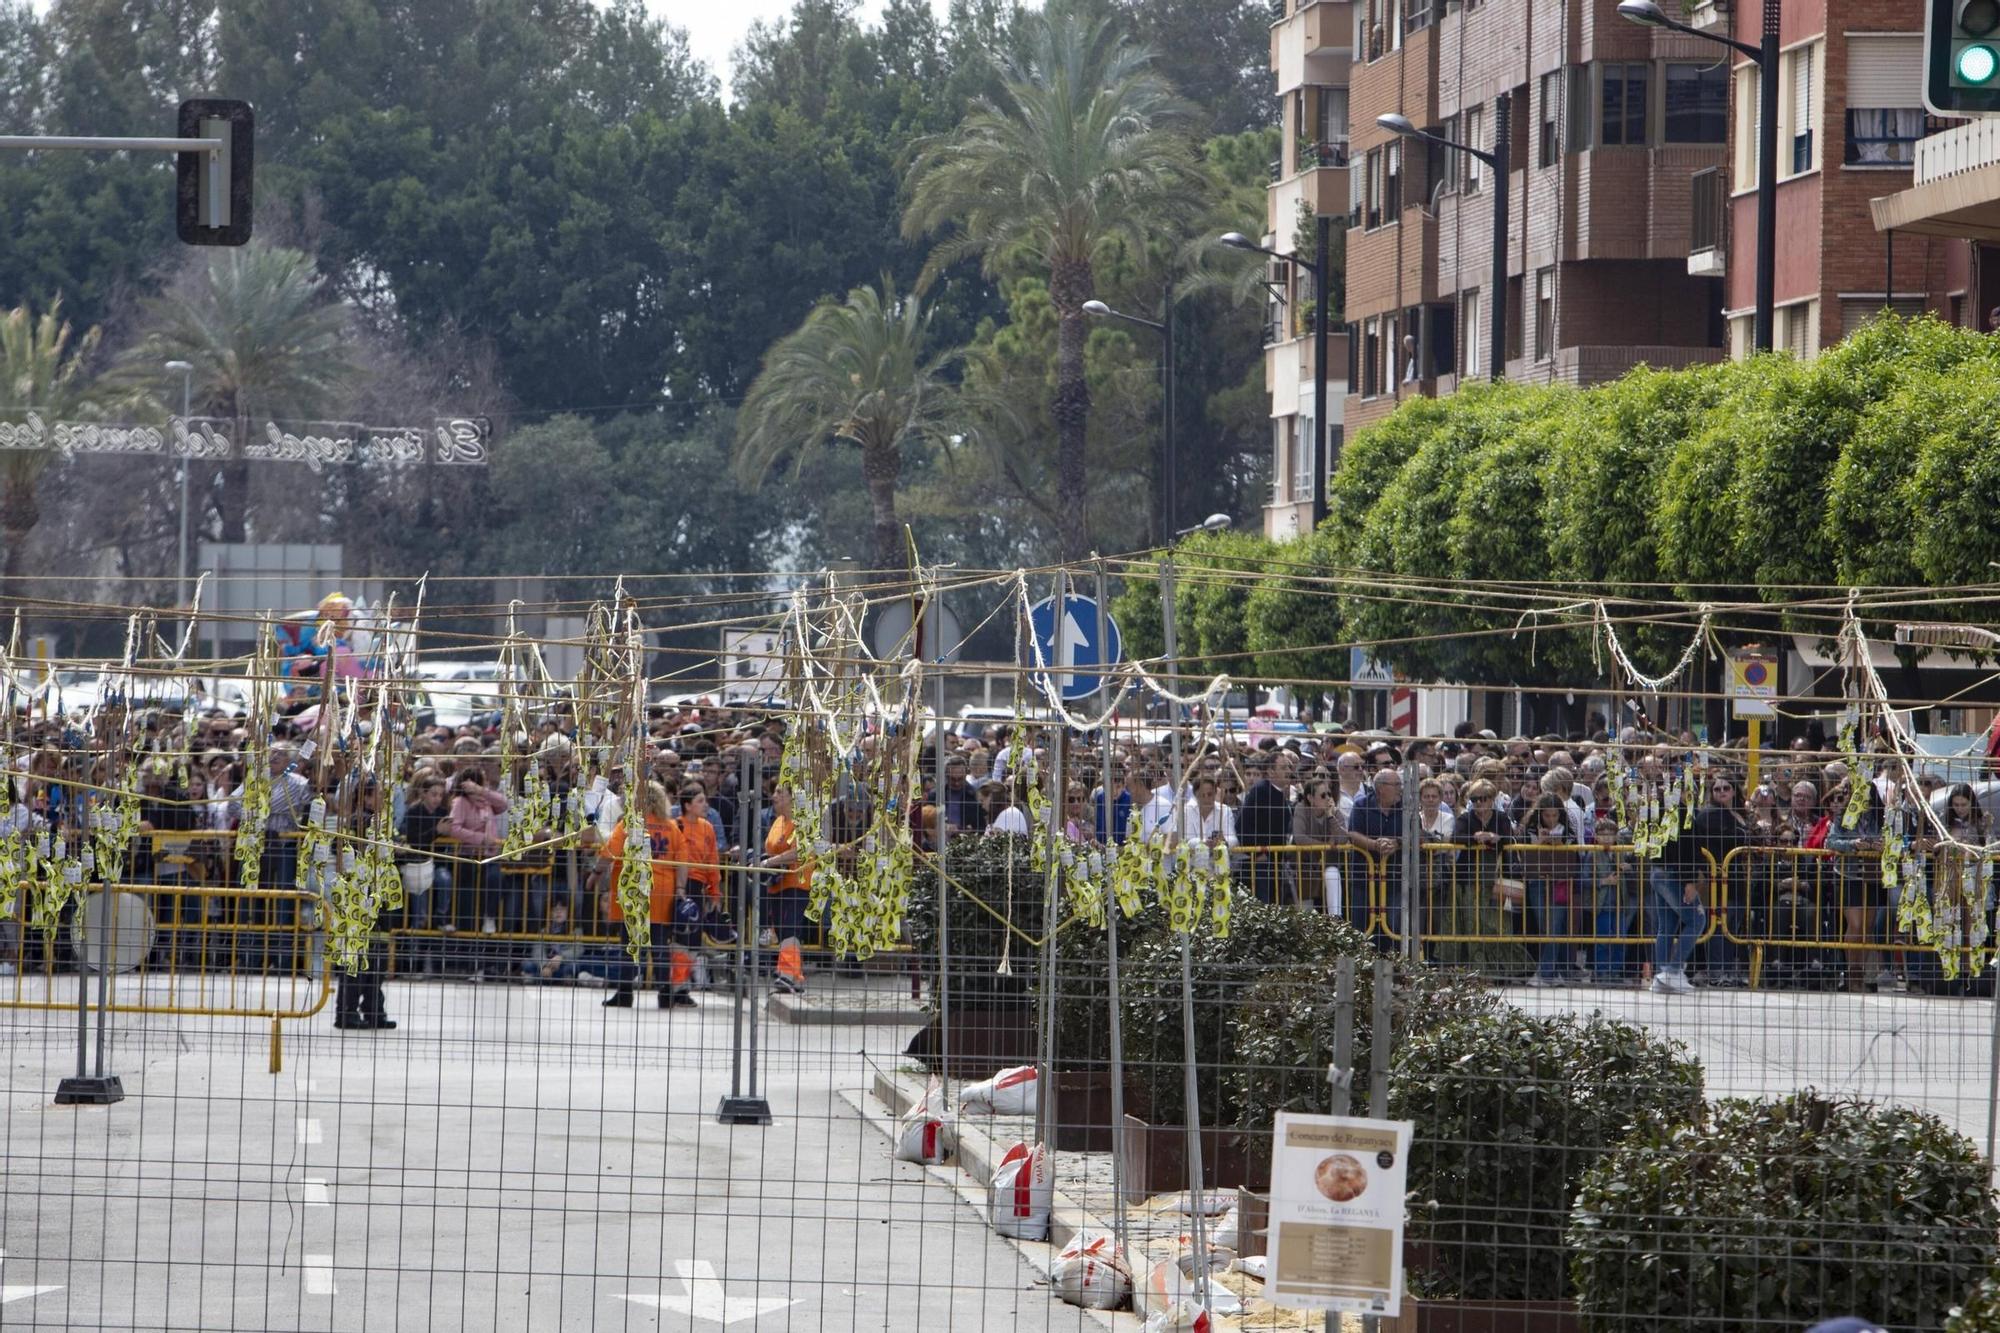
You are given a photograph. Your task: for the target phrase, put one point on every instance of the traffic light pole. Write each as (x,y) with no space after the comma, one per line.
(1767,177)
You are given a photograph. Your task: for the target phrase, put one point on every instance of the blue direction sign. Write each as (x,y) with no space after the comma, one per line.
(1069,643)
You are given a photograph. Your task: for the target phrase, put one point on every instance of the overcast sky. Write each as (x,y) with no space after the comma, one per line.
(714,27)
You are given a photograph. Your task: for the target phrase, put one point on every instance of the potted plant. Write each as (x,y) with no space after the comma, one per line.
(991,882)
(1775,1214)
(1510,1111)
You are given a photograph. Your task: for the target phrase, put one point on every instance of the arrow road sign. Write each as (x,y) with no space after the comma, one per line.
(1069,643)
(702,1297)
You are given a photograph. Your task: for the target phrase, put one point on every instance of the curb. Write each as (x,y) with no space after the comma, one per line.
(794,1010)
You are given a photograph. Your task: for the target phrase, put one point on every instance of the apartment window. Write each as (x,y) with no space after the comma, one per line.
(1515,288)
(1795,328)
(1302,458)
(1745,137)
(1475,137)
(1468,319)
(1625,96)
(1440,163)
(1373,168)
(1697,98)
(1357,190)
(1576,97)
(1549,144)
(1416,15)
(1799,63)
(1856,311)
(1392,182)
(1883,120)
(1333,127)
(1392,344)
(1443,345)
(1371,359)
(1545,314)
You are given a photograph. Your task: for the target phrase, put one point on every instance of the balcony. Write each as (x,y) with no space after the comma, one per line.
(1312,44)
(1320,184)
(1706,251)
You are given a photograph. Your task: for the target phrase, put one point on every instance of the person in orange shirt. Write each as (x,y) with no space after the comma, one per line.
(785,900)
(672,965)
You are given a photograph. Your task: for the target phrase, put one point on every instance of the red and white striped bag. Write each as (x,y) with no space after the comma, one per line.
(922,1135)
(1092,1272)
(1009,1092)
(1023,1192)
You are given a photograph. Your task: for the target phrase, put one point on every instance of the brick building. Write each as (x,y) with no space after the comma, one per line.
(1850,116)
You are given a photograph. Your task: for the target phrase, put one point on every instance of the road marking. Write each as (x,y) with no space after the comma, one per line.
(21,1293)
(309,1130)
(319,1275)
(702,1297)
(316,1193)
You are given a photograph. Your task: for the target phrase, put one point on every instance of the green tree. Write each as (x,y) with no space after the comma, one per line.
(1293,613)
(40,372)
(256,324)
(860,372)
(1082,148)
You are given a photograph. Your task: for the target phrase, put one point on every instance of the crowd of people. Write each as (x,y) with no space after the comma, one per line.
(1523,861)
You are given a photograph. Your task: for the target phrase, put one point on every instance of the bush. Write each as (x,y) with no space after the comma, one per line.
(1979,1312)
(1510,1112)
(993,880)
(1776,1214)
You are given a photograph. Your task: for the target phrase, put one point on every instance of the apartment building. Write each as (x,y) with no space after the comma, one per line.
(1311,53)
(1850,119)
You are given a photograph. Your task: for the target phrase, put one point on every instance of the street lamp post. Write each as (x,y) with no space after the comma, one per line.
(186,372)
(1765,56)
(1169,461)
(1500,160)
(1320,268)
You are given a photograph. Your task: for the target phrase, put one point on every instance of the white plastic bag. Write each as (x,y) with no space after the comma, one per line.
(1167,1285)
(1092,1272)
(1009,1092)
(1180,1315)
(1023,1192)
(921,1134)
(1227,1232)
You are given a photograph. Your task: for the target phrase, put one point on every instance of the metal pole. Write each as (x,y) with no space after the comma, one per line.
(187,387)
(943,903)
(1503,137)
(1190,1089)
(42,143)
(1116,1020)
(1169,462)
(1045,1083)
(1767,176)
(752,778)
(1993,1083)
(107,923)
(1321,430)
(746,944)
(1410,859)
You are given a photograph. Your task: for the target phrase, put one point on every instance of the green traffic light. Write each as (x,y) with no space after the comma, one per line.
(1978,64)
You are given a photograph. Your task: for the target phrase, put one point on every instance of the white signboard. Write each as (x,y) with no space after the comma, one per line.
(1336,1240)
(753,663)
(446,441)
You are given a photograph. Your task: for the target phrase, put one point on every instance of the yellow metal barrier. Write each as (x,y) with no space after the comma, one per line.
(1795,900)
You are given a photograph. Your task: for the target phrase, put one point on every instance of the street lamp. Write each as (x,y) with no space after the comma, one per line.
(1213,523)
(1497,159)
(186,371)
(1169,463)
(1765,57)
(1321,270)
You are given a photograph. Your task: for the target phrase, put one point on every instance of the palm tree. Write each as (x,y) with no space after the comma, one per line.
(857,372)
(1084,148)
(263,339)
(40,373)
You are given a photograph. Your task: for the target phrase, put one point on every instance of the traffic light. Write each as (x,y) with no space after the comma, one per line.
(212,190)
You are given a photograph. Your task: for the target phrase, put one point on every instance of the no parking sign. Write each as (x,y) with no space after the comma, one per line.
(1753,684)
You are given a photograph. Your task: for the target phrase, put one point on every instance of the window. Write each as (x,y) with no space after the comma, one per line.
(1549,145)
(1475,137)
(1468,319)
(1744,177)
(1576,98)
(1443,345)
(1333,126)
(1357,189)
(1440,163)
(1416,15)
(1794,331)
(1392,343)
(1371,359)
(1856,311)
(1514,322)
(1392,181)
(1545,314)
(1373,167)
(1800,65)
(1302,457)
(1624,120)
(1697,103)
(1884,121)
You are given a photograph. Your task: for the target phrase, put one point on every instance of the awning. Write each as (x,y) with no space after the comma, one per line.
(1965,204)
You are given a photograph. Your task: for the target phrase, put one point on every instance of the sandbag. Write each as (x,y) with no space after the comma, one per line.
(1181,1315)
(1092,1272)
(1167,1285)
(1023,1192)
(1227,1232)
(1009,1092)
(922,1134)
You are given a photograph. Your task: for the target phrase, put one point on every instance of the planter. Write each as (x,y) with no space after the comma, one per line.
(982,1041)
(1156,1159)
(1083,1109)
(1468,1316)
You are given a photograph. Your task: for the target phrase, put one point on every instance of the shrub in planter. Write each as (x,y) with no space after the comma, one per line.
(992,880)
(1510,1111)
(1979,1312)
(1776,1214)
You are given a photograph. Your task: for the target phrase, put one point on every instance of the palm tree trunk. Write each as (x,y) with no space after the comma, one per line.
(881,468)
(233,505)
(20,511)
(1071,283)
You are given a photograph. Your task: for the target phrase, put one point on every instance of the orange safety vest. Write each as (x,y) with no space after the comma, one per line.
(781,839)
(667,849)
(704,859)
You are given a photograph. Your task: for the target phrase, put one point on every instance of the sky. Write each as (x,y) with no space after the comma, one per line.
(714,27)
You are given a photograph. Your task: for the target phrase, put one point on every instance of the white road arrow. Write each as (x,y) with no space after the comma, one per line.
(20,1293)
(703,1297)
(1068,641)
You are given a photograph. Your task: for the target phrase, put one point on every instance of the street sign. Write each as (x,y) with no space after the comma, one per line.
(937,639)
(1364,672)
(1753,684)
(213,190)
(1068,643)
(753,663)
(1337,1209)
